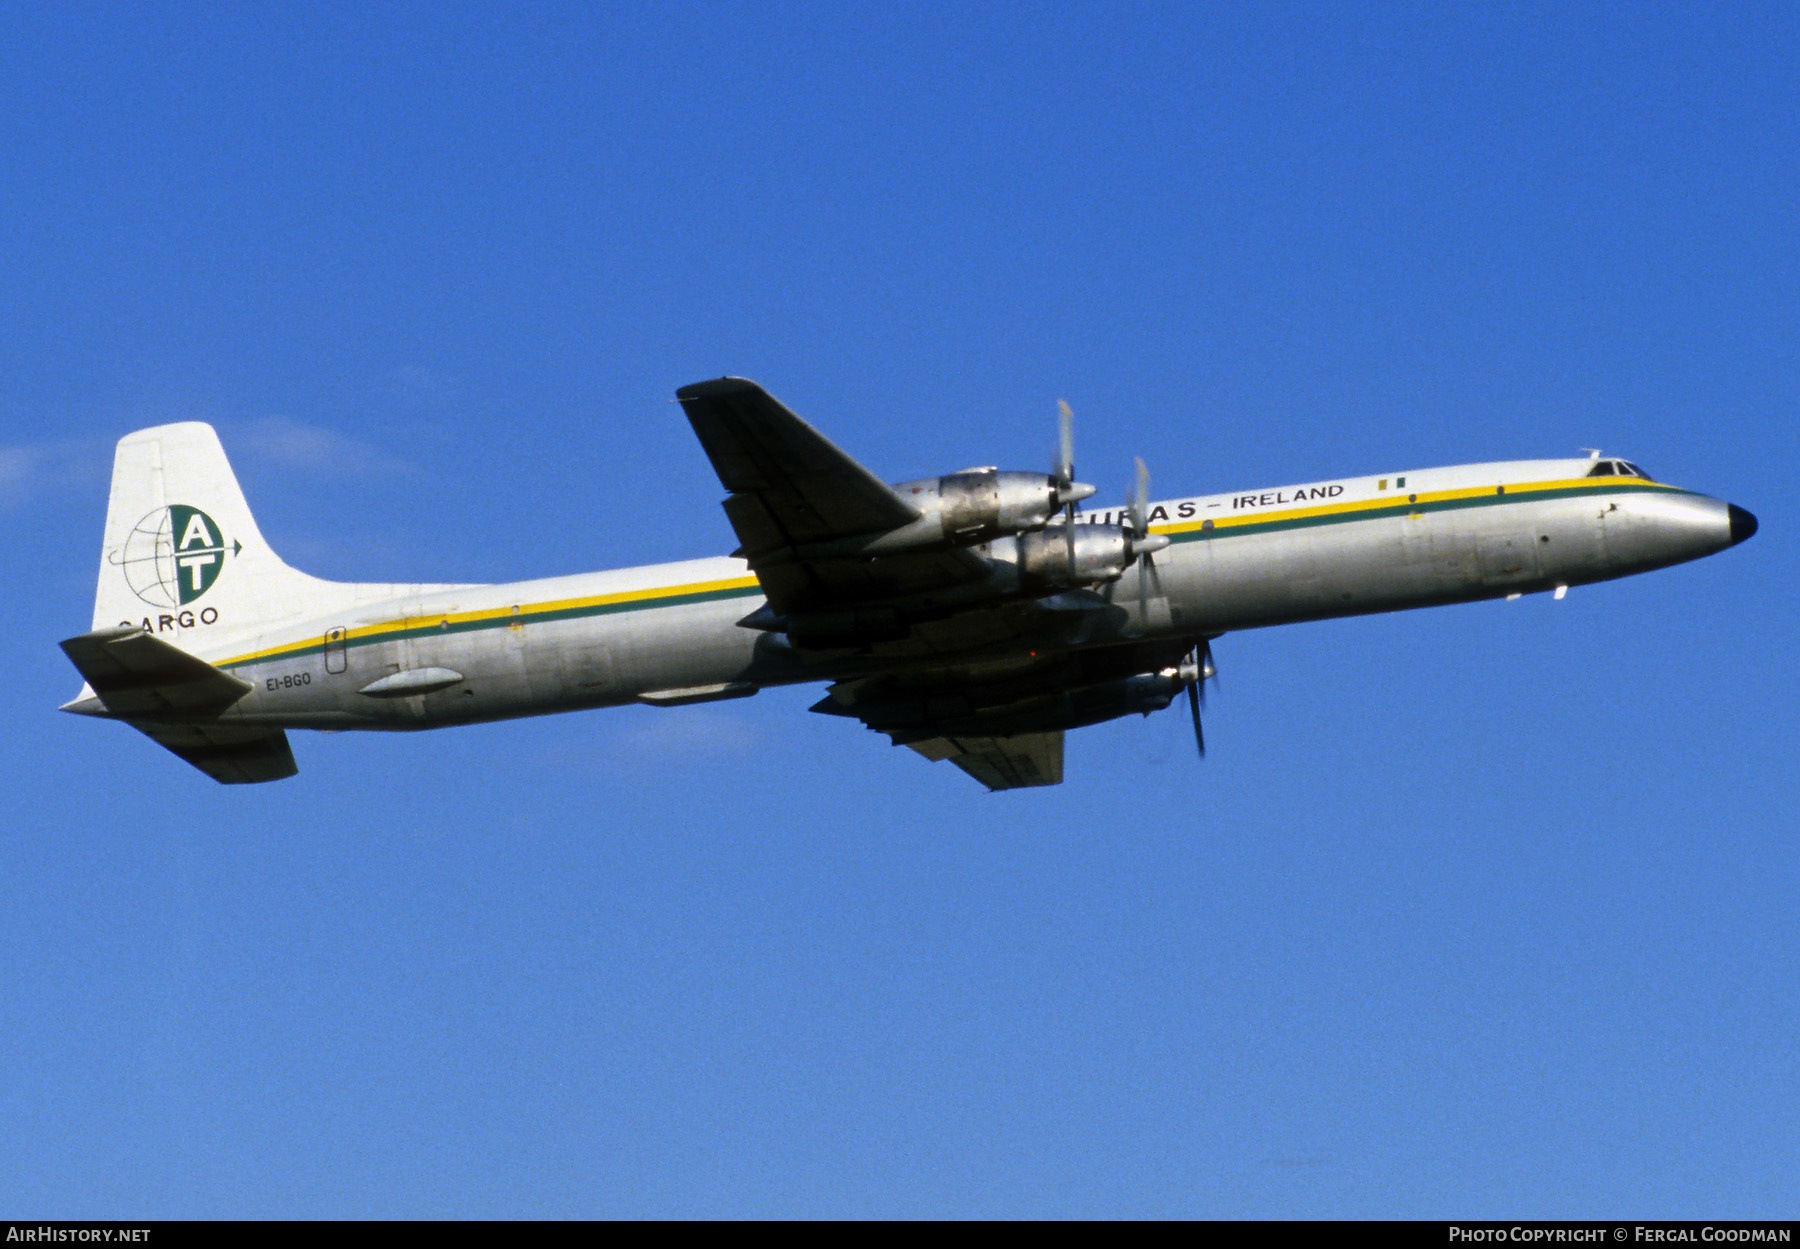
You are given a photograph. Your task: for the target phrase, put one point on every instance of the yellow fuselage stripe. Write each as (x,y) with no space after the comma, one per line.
(732,587)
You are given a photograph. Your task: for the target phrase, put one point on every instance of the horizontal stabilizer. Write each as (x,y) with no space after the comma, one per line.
(231,754)
(172,698)
(141,677)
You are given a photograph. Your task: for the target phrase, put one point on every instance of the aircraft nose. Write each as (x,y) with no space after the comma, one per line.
(1743,524)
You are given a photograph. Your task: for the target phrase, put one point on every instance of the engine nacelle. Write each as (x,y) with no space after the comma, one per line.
(1141,694)
(979,504)
(1047,557)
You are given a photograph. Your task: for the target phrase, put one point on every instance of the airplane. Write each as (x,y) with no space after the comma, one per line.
(974,617)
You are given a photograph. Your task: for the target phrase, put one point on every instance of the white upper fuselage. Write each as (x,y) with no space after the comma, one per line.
(669,633)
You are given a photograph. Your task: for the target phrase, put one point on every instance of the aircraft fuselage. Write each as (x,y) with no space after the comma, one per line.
(668,634)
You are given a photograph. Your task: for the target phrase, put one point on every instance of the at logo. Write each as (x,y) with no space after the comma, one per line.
(174,555)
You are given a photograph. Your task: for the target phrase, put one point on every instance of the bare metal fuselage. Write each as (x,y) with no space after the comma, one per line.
(669,634)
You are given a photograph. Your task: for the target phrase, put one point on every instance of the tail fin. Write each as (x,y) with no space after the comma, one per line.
(182,557)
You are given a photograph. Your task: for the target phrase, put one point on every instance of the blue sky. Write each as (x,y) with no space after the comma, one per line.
(1480,911)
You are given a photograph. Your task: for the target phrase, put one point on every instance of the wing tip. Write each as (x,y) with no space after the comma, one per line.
(717,388)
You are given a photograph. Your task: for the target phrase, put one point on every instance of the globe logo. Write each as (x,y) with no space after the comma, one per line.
(173,555)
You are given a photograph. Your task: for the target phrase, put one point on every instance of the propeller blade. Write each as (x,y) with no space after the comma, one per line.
(1065,446)
(1144,544)
(1140,501)
(1065,471)
(1138,511)
(1194,706)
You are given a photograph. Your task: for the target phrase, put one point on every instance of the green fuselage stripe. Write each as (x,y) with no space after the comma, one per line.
(500,618)
(1383,510)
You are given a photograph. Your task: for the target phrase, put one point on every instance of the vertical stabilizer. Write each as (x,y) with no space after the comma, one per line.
(182,557)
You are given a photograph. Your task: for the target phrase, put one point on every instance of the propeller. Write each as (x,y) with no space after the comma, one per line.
(1065,448)
(1144,544)
(1069,492)
(1199,664)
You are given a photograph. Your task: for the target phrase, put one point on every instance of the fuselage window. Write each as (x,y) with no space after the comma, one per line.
(1603,469)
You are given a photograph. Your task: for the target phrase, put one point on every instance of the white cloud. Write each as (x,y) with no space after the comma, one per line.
(290,444)
(689,730)
(27,473)
(32,471)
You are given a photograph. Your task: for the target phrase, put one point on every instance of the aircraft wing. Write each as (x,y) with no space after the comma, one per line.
(798,503)
(990,685)
(1002,762)
(1001,718)
(174,699)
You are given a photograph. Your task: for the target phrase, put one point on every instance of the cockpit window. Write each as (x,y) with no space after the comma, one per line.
(1618,468)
